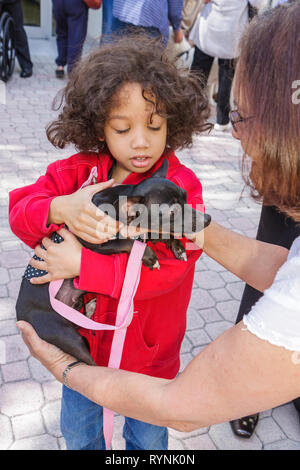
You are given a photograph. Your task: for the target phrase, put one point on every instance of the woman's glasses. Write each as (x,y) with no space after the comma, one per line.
(235,118)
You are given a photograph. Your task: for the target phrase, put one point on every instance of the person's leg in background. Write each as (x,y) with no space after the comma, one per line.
(77,12)
(226,74)
(61,36)
(144,436)
(274,227)
(110,23)
(81,422)
(22,48)
(202,64)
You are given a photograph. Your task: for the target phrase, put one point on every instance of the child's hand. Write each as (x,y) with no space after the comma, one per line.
(82,216)
(60,260)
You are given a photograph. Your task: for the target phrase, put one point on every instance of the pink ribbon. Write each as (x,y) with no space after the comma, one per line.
(123,320)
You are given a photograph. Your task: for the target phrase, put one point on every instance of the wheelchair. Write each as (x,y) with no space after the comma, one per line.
(7,45)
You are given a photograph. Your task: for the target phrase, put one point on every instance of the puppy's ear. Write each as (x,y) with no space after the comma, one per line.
(162,170)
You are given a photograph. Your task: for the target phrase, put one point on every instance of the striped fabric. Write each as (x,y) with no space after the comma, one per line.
(150,13)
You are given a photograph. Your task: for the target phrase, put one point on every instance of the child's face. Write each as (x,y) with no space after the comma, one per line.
(134,141)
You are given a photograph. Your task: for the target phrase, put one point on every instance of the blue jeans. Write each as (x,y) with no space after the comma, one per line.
(82,427)
(112,27)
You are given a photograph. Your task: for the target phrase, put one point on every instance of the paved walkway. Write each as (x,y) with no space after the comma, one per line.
(29,397)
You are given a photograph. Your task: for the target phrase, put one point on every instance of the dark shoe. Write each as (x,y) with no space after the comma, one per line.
(26,73)
(60,73)
(244,427)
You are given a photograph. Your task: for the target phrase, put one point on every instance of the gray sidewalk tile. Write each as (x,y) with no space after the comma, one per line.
(224,439)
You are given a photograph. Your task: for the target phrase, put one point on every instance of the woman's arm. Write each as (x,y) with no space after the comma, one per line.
(236,375)
(253,261)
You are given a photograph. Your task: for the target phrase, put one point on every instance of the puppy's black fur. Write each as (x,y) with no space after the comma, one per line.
(33,304)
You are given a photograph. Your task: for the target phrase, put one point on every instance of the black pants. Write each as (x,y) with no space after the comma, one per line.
(202,63)
(71,18)
(22,48)
(274,227)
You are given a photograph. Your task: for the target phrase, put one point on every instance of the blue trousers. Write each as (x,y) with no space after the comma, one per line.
(71,18)
(109,22)
(112,27)
(82,427)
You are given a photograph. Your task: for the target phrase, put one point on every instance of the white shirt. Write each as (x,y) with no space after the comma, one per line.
(276,316)
(220,25)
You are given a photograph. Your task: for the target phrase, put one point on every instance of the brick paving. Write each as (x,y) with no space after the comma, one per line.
(29,396)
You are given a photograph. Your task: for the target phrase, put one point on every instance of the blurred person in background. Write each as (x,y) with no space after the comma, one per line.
(216,33)
(152,16)
(71,18)
(14,8)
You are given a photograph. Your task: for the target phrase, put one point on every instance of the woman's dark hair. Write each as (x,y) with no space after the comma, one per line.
(268,79)
(93,89)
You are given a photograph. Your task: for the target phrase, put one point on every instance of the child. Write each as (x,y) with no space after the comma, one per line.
(126,109)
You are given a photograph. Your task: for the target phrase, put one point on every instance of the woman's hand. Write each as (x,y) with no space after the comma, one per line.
(49,355)
(60,260)
(197,238)
(82,217)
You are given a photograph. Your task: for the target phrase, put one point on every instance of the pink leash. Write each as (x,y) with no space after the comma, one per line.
(123,320)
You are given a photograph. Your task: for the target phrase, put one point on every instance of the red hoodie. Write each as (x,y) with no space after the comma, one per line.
(153,339)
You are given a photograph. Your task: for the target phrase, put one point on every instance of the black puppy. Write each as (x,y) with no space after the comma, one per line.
(158,206)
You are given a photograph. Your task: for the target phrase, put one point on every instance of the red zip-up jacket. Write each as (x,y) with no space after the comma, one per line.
(154,337)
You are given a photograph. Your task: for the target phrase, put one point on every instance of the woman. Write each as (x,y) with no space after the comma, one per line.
(254,365)
(274,227)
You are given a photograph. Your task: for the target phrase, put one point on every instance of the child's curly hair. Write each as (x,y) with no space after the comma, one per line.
(93,89)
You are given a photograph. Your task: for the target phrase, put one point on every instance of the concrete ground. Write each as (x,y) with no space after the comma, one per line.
(29,397)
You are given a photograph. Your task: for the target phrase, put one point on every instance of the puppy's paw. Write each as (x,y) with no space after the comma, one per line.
(90,308)
(178,249)
(150,259)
